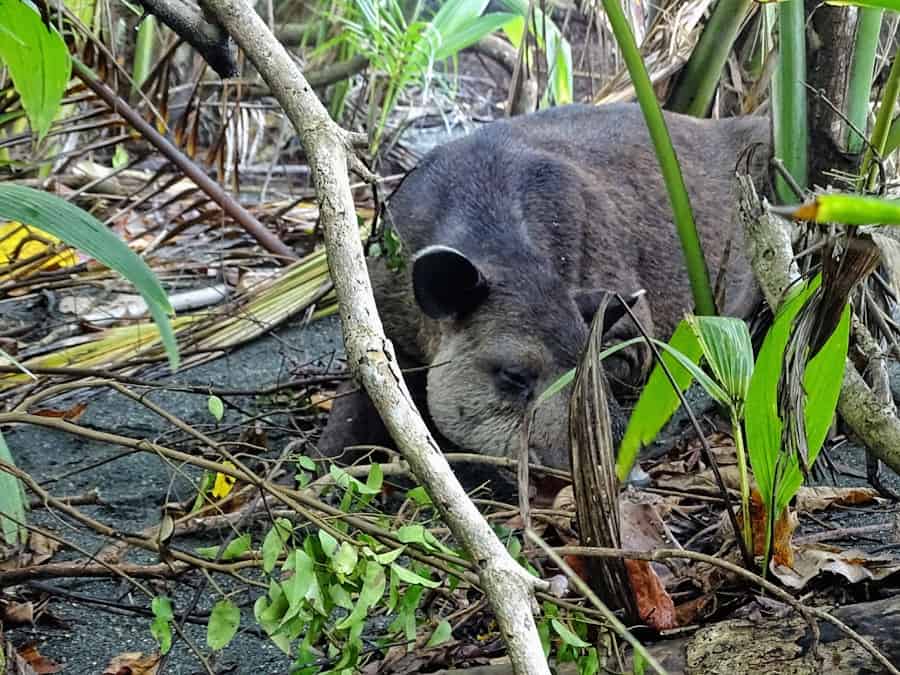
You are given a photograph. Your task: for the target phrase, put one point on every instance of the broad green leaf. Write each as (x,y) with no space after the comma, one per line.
(161,627)
(441,634)
(728,351)
(658,400)
(223,624)
(345,481)
(340,597)
(822,383)
(454,14)
(306,463)
(373,588)
(344,561)
(420,496)
(82,231)
(236,547)
(567,635)
(471,33)
(762,423)
(296,586)
(389,557)
(375,479)
(12,501)
(410,577)
(274,542)
(38,63)
(216,407)
(328,542)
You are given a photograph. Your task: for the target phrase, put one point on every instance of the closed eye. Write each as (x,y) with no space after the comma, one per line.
(514,381)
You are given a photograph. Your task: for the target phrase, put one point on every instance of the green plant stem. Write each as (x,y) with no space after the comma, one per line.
(789,97)
(700,78)
(868,29)
(744,479)
(878,142)
(665,152)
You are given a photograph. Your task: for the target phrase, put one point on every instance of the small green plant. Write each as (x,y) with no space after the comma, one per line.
(402,53)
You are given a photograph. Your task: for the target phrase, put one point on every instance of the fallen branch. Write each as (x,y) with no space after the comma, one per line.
(508,586)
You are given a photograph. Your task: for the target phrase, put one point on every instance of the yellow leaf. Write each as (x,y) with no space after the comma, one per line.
(223,483)
(28,249)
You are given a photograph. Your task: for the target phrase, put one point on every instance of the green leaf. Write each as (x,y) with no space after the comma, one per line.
(375,479)
(274,543)
(420,496)
(38,62)
(410,577)
(296,586)
(235,548)
(471,33)
(389,557)
(161,628)
(441,634)
(344,561)
(81,230)
(728,351)
(822,383)
(567,636)
(12,501)
(849,209)
(328,542)
(306,463)
(373,588)
(346,481)
(120,157)
(340,597)
(216,407)
(658,400)
(223,624)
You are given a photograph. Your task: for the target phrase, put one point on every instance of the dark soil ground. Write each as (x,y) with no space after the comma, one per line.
(133,488)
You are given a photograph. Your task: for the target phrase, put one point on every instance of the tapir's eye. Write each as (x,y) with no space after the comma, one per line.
(515,381)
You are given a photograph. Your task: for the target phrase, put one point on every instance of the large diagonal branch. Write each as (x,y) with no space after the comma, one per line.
(508,586)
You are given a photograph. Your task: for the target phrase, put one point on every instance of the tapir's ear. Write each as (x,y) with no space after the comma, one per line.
(589,301)
(446,283)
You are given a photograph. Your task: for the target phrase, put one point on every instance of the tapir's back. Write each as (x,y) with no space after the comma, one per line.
(579,187)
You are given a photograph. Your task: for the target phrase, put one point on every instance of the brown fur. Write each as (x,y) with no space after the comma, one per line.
(546,208)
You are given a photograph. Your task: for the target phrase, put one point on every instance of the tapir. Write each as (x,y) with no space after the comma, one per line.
(513,235)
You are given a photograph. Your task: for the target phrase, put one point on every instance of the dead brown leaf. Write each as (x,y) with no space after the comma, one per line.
(820,498)
(38,662)
(853,565)
(133,663)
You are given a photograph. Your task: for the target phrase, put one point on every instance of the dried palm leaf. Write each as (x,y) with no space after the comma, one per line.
(594,473)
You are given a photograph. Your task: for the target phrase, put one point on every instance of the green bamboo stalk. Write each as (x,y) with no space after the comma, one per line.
(880,132)
(668,161)
(789,97)
(697,85)
(868,30)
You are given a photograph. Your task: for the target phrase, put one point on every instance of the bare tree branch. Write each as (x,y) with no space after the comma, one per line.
(508,586)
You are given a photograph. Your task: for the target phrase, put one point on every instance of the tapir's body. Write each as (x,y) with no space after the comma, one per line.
(515,232)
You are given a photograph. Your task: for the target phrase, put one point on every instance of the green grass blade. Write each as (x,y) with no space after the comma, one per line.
(470,33)
(880,132)
(12,501)
(81,230)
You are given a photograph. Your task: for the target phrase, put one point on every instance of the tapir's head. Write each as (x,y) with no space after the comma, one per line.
(506,333)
